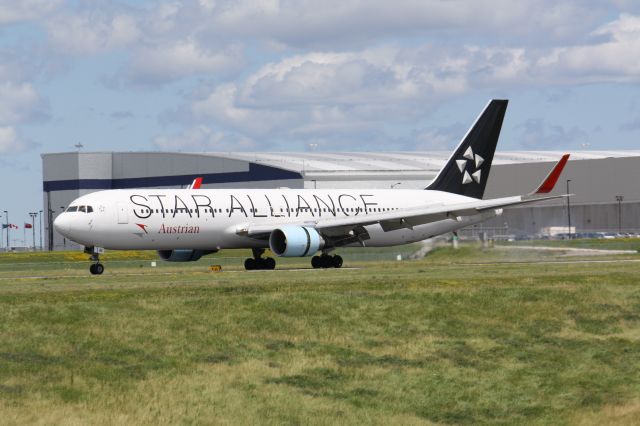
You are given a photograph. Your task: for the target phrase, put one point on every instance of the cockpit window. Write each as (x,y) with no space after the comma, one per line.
(89,209)
(81,209)
(72,209)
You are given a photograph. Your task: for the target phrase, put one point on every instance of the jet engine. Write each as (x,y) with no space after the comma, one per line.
(295,241)
(183,255)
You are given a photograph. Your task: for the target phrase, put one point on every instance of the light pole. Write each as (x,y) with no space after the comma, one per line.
(40,213)
(50,229)
(568,208)
(6,215)
(33,228)
(619,199)
(1,234)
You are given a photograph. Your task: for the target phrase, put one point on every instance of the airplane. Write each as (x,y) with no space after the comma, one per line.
(185,224)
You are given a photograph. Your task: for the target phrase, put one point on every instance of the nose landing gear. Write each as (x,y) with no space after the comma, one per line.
(326,261)
(96,268)
(258,262)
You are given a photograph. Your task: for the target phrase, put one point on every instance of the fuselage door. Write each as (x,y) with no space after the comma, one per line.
(123,215)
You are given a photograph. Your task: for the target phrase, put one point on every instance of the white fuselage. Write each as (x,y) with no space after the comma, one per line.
(210,219)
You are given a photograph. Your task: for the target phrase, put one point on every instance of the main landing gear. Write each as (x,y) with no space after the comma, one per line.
(96,267)
(258,262)
(326,261)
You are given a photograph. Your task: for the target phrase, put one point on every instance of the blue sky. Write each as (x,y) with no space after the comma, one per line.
(266,75)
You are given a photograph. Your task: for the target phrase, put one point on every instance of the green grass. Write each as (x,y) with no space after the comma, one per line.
(456,338)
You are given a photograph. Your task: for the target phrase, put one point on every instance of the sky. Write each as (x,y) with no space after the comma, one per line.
(284,75)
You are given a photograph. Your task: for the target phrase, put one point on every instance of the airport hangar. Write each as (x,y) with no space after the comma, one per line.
(606,184)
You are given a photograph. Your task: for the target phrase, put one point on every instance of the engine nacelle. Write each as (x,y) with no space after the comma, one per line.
(183,255)
(295,241)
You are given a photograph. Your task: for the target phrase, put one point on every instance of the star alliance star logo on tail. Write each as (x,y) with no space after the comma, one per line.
(476,161)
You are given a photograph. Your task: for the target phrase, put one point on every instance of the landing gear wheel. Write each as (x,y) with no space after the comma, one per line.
(96,268)
(99,268)
(327,261)
(270,263)
(250,264)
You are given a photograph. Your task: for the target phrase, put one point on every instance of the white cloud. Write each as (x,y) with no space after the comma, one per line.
(163,18)
(8,139)
(436,138)
(341,70)
(319,93)
(617,58)
(222,106)
(327,23)
(343,94)
(91,33)
(10,142)
(160,63)
(12,11)
(175,39)
(203,138)
(537,133)
(20,103)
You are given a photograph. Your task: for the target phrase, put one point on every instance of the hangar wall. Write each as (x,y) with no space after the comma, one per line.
(594,207)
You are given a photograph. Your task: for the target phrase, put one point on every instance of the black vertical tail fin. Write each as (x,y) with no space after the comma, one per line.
(467,170)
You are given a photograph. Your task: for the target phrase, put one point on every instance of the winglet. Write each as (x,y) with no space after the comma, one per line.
(552,178)
(197,182)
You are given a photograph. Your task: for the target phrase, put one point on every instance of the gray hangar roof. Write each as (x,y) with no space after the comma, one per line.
(332,162)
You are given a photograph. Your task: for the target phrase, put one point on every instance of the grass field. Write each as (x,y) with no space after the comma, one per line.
(471,337)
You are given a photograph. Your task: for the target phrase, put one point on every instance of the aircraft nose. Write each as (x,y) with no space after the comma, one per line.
(62,224)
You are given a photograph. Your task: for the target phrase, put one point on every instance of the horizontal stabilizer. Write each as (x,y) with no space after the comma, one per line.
(196,184)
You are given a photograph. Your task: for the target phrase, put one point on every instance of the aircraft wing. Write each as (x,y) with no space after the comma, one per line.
(397,219)
(408,218)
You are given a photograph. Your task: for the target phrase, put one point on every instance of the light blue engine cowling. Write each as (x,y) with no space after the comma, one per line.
(183,255)
(295,241)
